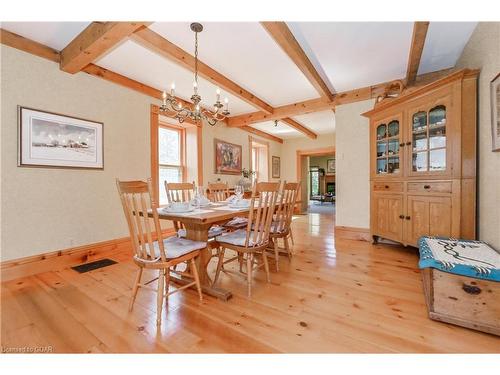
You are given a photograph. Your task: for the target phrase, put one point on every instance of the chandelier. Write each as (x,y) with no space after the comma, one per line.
(173,107)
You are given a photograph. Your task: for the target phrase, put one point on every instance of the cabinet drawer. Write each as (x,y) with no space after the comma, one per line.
(430,187)
(388,186)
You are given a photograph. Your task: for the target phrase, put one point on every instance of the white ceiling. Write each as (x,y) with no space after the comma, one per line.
(53,34)
(245,53)
(444,44)
(282,130)
(319,122)
(136,62)
(347,55)
(357,54)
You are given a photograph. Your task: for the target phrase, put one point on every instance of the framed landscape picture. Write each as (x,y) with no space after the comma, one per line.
(495,113)
(52,140)
(276,167)
(330,166)
(227,157)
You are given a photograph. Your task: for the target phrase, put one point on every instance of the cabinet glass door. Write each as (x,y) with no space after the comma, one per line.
(429,140)
(388,157)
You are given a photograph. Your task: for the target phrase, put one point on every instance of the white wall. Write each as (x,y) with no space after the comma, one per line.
(52,209)
(483,52)
(352,151)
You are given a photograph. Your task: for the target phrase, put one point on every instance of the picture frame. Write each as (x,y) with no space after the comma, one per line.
(53,140)
(276,167)
(330,166)
(228,157)
(495,113)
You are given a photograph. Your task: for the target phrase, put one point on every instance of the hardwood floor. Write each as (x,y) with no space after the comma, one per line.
(344,296)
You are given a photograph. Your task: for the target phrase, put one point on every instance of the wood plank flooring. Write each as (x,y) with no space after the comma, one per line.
(334,296)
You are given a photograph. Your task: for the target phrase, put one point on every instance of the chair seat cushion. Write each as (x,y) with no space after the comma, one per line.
(214,231)
(274,228)
(237,238)
(237,222)
(176,247)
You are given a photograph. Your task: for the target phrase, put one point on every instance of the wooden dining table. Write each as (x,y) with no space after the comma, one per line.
(197,223)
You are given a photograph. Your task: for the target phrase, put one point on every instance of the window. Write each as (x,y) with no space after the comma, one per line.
(314,181)
(170,157)
(260,160)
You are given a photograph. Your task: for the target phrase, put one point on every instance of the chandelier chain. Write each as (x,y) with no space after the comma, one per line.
(196,57)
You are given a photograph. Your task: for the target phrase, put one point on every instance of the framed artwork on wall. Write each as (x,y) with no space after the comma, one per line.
(276,167)
(227,157)
(495,112)
(52,140)
(330,166)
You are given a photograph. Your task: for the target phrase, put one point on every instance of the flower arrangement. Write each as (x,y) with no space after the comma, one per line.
(247,173)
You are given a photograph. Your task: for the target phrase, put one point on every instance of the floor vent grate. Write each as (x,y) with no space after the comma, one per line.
(93,265)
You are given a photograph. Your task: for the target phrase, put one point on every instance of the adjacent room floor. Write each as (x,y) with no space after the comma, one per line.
(326,208)
(333,296)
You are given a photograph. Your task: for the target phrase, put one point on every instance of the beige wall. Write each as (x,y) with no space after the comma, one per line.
(483,52)
(291,146)
(54,209)
(352,152)
(51,209)
(236,136)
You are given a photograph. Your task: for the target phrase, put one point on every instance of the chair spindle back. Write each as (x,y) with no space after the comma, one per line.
(137,199)
(218,192)
(179,191)
(286,205)
(260,218)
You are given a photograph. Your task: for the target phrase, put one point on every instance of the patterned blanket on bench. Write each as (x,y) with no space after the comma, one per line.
(462,257)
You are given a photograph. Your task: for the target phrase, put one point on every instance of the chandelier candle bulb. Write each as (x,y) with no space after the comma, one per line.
(218,94)
(172,89)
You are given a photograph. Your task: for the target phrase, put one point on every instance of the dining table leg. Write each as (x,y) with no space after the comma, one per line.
(197,232)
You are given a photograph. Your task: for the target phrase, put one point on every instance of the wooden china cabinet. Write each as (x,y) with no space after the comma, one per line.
(423,161)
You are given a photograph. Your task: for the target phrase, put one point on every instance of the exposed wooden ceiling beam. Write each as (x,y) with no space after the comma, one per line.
(93,42)
(290,110)
(155,42)
(282,35)
(417,46)
(27,45)
(261,133)
(301,128)
(310,106)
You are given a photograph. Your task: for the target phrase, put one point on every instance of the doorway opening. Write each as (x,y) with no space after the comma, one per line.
(316,171)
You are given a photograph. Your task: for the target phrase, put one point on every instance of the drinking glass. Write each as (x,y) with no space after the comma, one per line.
(238,191)
(198,196)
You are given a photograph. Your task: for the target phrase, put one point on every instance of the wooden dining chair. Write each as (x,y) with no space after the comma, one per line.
(179,191)
(218,192)
(253,240)
(151,250)
(185,192)
(282,220)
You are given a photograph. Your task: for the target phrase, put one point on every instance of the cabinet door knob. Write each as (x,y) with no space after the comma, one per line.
(401,216)
(401,144)
(427,186)
(387,186)
(408,143)
(407,218)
